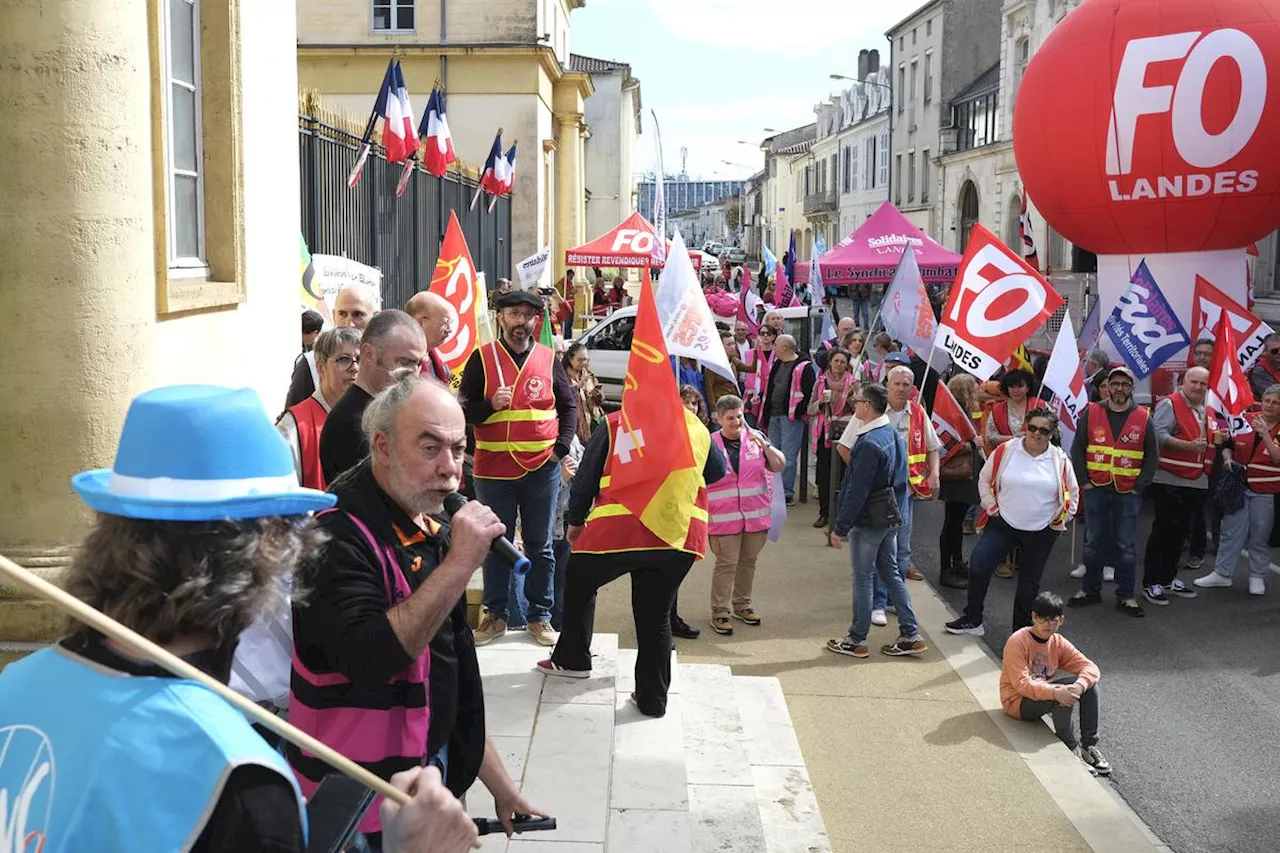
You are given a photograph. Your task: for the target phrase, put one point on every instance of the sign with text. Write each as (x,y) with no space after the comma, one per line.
(1209,304)
(1144,327)
(532,268)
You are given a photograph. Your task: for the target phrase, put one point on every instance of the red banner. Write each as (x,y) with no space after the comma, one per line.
(996,304)
(1229,390)
(455,279)
(1209,305)
(951,422)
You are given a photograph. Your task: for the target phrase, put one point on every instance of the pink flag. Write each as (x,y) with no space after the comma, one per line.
(783,292)
(747,302)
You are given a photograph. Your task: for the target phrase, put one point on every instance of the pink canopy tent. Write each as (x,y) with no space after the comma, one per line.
(871,253)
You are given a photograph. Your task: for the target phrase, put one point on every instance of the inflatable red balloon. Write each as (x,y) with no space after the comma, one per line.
(1152,126)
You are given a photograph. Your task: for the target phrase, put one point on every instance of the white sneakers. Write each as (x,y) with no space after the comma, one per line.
(878,617)
(1257,585)
(1108,573)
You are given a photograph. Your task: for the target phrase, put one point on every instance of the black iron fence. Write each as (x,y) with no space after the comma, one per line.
(400,236)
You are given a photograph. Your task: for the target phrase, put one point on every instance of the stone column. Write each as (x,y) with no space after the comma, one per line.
(570,201)
(77,269)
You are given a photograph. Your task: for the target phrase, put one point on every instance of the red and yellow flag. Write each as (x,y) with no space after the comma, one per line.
(654,474)
(455,279)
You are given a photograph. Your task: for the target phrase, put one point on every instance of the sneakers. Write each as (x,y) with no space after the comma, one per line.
(1257,586)
(905,646)
(1108,574)
(1094,760)
(490,629)
(965,625)
(747,616)
(1130,607)
(1180,589)
(878,617)
(1155,594)
(722,625)
(1078,571)
(1084,599)
(543,634)
(846,646)
(550,667)
(1004,570)
(1212,580)
(1195,563)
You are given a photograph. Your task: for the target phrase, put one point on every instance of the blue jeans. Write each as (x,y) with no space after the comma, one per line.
(902,538)
(997,542)
(1111,529)
(1250,526)
(533,498)
(788,436)
(873,552)
(861,313)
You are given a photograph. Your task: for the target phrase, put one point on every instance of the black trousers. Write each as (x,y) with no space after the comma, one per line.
(655,577)
(1176,506)
(1034,709)
(822,477)
(996,543)
(951,537)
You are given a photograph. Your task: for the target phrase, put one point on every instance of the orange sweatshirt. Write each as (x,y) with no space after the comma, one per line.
(1031,663)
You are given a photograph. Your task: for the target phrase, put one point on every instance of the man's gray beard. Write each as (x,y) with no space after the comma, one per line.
(414,501)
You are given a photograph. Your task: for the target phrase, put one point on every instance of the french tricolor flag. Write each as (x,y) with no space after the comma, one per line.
(434,128)
(398,134)
(380,106)
(505,175)
(490,180)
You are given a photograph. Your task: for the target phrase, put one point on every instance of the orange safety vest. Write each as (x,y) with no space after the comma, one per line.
(522,437)
(310,416)
(613,529)
(917,452)
(1261,474)
(1188,427)
(997,459)
(1109,463)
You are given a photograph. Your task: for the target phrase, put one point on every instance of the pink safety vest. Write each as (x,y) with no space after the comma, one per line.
(796,394)
(753,382)
(818,424)
(740,502)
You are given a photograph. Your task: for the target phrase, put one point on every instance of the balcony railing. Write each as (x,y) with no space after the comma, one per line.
(820,202)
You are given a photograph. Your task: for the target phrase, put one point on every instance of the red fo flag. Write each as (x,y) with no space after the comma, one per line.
(1210,304)
(951,422)
(1229,390)
(996,304)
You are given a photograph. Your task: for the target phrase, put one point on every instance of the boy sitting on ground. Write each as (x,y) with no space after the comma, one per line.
(1031,686)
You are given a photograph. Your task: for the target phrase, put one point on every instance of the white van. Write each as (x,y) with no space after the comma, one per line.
(608,343)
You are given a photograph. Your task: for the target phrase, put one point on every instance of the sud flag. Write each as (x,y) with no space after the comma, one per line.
(434,129)
(1028,238)
(455,279)
(996,304)
(654,475)
(1229,390)
(1209,305)
(951,422)
(1144,328)
(381,105)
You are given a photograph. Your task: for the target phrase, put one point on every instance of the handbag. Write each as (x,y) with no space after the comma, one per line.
(958,467)
(882,508)
(1227,493)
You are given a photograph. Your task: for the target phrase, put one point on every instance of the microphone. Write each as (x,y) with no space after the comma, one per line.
(501,547)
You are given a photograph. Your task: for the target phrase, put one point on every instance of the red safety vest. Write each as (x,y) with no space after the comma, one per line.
(1111,462)
(1000,413)
(997,460)
(310,416)
(613,529)
(1188,427)
(917,452)
(522,437)
(1261,474)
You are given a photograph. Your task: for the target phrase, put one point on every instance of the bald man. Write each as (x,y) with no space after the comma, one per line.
(354,306)
(437,318)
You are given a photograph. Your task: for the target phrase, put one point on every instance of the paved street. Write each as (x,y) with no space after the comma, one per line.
(1190,698)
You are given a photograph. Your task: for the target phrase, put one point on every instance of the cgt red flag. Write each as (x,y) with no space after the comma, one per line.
(1209,303)
(1229,390)
(951,422)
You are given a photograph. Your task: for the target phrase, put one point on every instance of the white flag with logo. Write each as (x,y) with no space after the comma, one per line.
(687,322)
(1065,378)
(907,314)
(532,268)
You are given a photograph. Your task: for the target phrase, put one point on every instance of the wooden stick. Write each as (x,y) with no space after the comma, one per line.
(142,646)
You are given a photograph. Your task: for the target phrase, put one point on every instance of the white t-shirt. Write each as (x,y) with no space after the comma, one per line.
(1029,496)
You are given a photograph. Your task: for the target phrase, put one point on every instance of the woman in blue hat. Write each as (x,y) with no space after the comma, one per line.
(200,519)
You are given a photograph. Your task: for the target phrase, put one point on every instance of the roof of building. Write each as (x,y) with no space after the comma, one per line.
(792,141)
(988,81)
(930,5)
(591,65)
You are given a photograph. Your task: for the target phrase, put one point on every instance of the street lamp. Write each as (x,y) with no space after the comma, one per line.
(889,184)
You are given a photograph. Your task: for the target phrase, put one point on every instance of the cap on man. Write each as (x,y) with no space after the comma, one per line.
(438,318)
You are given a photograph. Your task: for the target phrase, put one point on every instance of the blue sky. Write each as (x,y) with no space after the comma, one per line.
(720,71)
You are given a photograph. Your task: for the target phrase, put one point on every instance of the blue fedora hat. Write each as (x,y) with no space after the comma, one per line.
(199,453)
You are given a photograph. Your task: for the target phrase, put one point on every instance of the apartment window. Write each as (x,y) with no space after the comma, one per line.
(882,163)
(393,16)
(924,177)
(1021,55)
(902,87)
(928,77)
(915,76)
(928,28)
(870,145)
(773,168)
(184,190)
(853,168)
(977,122)
(913,37)
(845,184)
(898,180)
(835,170)
(911,177)
(901,44)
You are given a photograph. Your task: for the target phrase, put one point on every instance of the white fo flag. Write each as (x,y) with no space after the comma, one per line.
(1065,378)
(907,314)
(687,322)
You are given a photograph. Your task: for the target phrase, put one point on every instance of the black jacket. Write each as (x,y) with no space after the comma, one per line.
(343,624)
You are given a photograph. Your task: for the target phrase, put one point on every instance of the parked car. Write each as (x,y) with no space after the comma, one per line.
(608,343)
(711,247)
(735,254)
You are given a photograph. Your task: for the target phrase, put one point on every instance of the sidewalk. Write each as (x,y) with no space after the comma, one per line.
(904,754)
